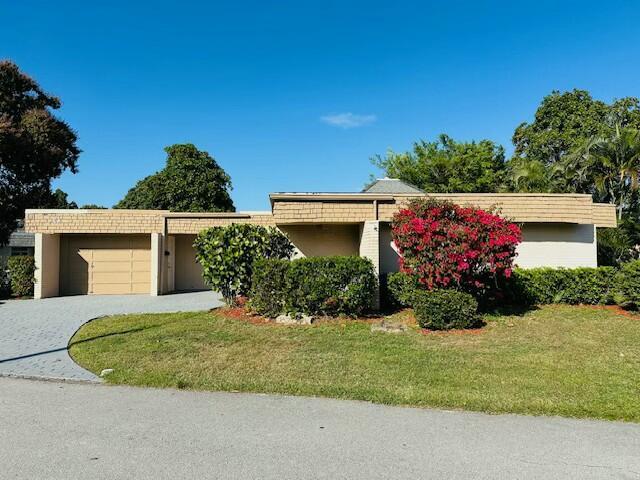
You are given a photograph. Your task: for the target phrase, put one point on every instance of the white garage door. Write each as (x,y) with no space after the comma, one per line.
(105,264)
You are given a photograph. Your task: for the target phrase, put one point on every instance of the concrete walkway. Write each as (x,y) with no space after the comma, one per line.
(34,333)
(61,431)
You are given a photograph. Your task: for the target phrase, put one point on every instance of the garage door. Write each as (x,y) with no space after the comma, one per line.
(105,264)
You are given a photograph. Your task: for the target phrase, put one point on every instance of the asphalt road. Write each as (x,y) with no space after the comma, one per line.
(79,431)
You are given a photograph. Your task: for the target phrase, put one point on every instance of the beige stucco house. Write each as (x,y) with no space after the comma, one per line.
(150,251)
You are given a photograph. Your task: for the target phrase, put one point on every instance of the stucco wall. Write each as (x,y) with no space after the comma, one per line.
(47,260)
(188,272)
(318,240)
(557,245)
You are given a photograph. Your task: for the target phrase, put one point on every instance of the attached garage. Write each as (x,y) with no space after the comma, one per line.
(105,264)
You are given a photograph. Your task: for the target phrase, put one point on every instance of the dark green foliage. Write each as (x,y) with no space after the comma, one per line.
(331,285)
(615,246)
(22,273)
(627,289)
(268,287)
(446,309)
(574,286)
(400,289)
(315,286)
(5,281)
(35,145)
(446,166)
(192,181)
(227,255)
(565,121)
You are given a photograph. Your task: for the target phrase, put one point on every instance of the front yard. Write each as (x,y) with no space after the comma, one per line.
(555,360)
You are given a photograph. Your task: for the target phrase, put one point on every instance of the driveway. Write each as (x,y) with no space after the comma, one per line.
(64,430)
(34,333)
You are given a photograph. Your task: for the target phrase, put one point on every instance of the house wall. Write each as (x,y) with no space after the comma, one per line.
(47,262)
(543,245)
(319,240)
(557,245)
(188,272)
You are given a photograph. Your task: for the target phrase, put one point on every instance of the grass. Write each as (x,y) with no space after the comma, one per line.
(555,360)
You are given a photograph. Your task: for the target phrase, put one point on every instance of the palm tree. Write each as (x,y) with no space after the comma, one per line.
(607,167)
(529,176)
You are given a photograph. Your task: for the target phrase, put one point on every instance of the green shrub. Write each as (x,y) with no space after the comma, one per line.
(314,286)
(400,289)
(268,287)
(627,289)
(227,255)
(562,285)
(331,285)
(446,309)
(22,273)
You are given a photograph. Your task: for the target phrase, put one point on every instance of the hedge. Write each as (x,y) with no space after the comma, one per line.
(313,286)
(445,309)
(22,274)
(574,286)
(268,292)
(627,293)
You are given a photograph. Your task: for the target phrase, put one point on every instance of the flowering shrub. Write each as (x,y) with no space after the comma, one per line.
(449,246)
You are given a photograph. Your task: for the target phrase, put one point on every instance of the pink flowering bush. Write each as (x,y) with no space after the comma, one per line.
(448,246)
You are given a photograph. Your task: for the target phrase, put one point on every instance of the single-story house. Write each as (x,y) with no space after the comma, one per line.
(151,251)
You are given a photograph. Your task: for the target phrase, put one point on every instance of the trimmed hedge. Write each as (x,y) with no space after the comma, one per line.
(313,286)
(574,286)
(445,309)
(268,292)
(22,270)
(627,293)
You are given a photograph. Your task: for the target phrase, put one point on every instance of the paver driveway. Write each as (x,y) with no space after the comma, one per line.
(34,333)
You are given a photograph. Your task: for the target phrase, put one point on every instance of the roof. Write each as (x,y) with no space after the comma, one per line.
(391,185)
(20,238)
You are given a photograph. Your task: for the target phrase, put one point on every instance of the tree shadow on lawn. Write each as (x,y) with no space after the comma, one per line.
(85,340)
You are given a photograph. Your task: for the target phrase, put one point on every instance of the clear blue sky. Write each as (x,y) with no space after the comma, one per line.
(265,86)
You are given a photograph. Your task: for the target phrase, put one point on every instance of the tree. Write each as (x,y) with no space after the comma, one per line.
(447,166)
(35,145)
(565,121)
(608,167)
(192,181)
(55,199)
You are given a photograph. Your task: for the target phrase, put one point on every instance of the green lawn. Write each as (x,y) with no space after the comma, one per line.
(557,360)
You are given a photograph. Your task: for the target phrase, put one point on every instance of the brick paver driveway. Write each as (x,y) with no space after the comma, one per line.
(34,333)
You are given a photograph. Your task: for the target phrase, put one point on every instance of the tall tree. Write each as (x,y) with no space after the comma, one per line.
(565,121)
(606,166)
(35,145)
(192,181)
(447,166)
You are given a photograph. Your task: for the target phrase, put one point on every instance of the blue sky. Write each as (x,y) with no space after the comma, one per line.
(297,96)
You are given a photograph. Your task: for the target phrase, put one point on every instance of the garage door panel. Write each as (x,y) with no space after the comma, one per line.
(112,255)
(105,264)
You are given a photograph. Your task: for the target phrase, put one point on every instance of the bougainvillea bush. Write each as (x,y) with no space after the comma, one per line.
(448,246)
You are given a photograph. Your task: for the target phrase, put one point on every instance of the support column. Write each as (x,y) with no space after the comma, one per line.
(370,248)
(47,262)
(157,257)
